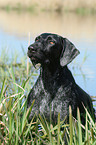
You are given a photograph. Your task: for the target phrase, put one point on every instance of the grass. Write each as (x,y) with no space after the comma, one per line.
(14,126)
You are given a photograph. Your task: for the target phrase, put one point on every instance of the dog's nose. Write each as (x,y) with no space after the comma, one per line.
(30,47)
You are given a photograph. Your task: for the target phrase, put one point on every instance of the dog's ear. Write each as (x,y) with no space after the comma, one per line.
(69,52)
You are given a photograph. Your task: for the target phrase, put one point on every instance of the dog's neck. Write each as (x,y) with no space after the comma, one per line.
(50,70)
(53,77)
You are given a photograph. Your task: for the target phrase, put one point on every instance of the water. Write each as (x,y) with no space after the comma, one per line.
(81,30)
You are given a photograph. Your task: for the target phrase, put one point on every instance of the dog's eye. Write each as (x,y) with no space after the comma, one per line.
(36,40)
(51,42)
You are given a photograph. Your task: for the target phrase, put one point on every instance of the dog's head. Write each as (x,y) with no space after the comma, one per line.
(52,49)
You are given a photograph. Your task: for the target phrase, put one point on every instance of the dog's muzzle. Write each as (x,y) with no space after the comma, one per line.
(31,51)
(36,55)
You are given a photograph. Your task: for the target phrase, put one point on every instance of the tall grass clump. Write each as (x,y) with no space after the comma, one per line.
(15,83)
(15,128)
(17,77)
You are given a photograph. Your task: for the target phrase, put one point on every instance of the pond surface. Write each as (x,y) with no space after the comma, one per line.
(81,30)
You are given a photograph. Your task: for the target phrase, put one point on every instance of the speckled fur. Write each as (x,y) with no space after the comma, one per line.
(55,87)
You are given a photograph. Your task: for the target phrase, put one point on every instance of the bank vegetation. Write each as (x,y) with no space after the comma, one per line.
(50,5)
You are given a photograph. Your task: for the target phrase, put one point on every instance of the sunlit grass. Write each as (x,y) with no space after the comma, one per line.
(15,129)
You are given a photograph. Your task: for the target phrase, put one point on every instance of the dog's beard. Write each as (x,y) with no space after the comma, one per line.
(37,63)
(37,66)
(35,59)
(38,60)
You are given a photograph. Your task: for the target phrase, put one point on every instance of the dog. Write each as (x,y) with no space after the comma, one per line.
(55,88)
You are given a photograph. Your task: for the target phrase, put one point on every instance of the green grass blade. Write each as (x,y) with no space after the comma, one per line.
(29,110)
(70,123)
(92,134)
(2,90)
(58,129)
(90,118)
(79,128)
(86,128)
(44,124)
(94,143)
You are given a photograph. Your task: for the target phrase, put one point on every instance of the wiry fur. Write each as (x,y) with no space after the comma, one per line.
(55,87)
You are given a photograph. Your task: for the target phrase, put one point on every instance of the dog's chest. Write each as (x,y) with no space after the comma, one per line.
(57,99)
(59,104)
(52,93)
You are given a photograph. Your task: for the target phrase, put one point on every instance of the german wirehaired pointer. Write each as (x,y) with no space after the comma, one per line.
(55,88)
